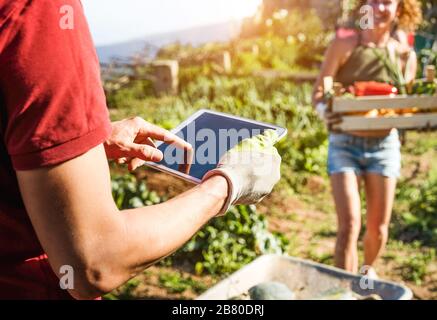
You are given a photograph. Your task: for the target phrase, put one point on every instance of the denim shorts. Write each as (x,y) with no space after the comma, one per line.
(361,155)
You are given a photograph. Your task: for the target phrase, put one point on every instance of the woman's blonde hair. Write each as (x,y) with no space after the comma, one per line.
(410,14)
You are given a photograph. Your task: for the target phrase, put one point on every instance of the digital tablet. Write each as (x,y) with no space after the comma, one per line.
(211,134)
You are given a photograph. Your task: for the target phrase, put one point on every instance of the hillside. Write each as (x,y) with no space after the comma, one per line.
(195,36)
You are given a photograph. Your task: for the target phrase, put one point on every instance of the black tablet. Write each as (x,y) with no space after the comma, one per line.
(211,134)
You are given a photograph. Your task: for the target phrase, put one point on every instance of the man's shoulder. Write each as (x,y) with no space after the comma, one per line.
(7,8)
(11,8)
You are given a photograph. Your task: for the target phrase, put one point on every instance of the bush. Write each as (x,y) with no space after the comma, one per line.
(419,222)
(230,242)
(128,193)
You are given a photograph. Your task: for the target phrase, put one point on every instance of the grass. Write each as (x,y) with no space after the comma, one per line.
(175,282)
(411,261)
(126,292)
(416,267)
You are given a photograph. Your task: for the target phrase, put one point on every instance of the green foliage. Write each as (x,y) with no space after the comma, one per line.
(309,38)
(287,38)
(126,96)
(424,87)
(224,245)
(128,193)
(175,282)
(230,242)
(125,292)
(419,221)
(419,145)
(272,52)
(415,267)
(430,16)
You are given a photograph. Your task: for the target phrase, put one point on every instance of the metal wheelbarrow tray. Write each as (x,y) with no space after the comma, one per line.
(306,279)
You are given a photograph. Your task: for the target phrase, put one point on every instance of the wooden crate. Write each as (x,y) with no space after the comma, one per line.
(409,121)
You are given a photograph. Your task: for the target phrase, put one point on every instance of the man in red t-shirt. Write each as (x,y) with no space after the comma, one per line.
(56,207)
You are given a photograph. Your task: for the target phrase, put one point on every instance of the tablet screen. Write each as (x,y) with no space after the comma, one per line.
(211,135)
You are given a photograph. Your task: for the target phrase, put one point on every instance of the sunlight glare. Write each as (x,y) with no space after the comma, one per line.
(243,8)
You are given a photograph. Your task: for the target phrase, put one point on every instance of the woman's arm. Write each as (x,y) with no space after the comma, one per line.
(334,57)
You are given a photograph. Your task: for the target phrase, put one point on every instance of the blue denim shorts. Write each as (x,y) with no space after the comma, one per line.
(361,155)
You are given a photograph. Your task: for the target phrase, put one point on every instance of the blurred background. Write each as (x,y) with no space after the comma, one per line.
(163,60)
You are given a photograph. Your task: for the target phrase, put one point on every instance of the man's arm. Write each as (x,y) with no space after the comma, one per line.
(76,220)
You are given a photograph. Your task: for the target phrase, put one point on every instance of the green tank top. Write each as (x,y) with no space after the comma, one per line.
(364,65)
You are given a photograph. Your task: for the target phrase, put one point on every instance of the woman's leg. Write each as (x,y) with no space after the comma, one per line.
(380,192)
(346,192)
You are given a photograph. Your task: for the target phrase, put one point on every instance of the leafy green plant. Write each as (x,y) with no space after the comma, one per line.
(224,245)
(230,242)
(125,292)
(415,267)
(419,222)
(175,282)
(129,193)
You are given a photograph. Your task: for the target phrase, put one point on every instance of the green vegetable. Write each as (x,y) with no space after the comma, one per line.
(425,87)
(262,143)
(394,68)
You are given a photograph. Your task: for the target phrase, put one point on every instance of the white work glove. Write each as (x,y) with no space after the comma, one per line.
(252,168)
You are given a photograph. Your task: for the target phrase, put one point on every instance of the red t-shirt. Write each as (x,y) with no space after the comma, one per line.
(52,109)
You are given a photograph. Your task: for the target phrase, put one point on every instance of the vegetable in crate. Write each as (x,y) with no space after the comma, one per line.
(428,85)
(373,88)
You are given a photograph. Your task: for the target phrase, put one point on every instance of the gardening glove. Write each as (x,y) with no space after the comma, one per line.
(252,168)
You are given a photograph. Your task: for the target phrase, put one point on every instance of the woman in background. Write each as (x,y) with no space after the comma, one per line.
(369,157)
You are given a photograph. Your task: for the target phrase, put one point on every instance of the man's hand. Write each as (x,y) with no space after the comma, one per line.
(252,168)
(131,142)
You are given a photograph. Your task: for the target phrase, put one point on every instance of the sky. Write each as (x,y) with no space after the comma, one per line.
(114,21)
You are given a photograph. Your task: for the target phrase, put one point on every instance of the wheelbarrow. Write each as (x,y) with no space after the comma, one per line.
(306,279)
